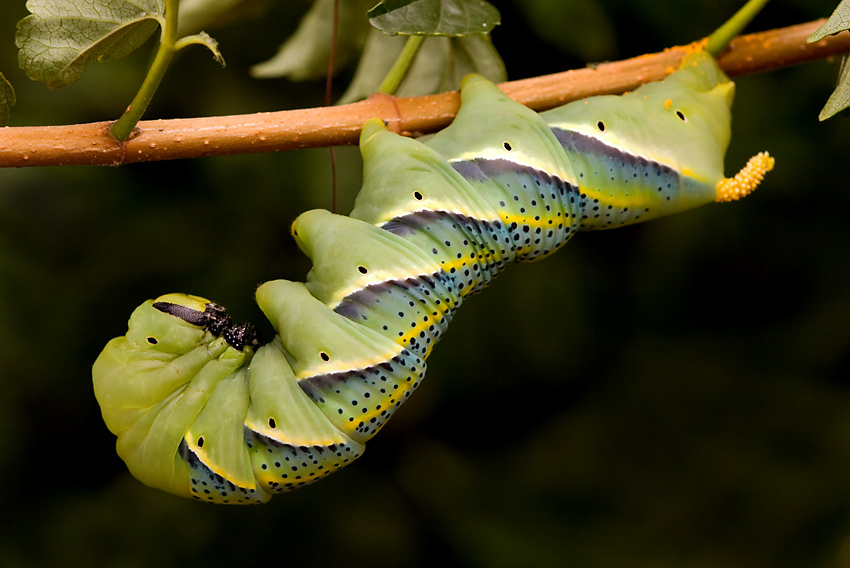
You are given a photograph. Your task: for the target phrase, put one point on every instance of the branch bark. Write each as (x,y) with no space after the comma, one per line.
(91,144)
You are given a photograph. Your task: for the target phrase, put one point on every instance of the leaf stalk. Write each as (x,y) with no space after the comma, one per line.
(123,127)
(719,40)
(399,69)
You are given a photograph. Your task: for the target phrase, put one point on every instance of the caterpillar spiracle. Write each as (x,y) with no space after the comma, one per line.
(202,410)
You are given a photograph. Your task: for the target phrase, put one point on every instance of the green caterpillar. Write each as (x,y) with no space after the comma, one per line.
(201,410)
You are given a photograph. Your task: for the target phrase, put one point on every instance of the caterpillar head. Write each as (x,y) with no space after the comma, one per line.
(173,323)
(176,323)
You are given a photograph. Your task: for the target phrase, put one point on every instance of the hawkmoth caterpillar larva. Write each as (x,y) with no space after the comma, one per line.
(202,410)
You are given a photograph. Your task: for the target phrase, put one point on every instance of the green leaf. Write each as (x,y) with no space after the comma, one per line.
(304,56)
(840,98)
(439,66)
(453,18)
(837,22)
(7,100)
(62,37)
(385,6)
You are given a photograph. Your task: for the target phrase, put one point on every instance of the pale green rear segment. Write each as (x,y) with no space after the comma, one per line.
(682,122)
(653,152)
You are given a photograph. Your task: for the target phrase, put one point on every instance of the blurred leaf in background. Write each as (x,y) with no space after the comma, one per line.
(440,65)
(838,22)
(304,56)
(665,395)
(453,18)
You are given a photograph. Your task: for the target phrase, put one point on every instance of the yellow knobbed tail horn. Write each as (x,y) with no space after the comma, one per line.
(745,181)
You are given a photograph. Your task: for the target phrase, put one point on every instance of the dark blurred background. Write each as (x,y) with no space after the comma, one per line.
(675,394)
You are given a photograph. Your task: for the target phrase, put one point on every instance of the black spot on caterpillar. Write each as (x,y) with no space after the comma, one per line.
(202,410)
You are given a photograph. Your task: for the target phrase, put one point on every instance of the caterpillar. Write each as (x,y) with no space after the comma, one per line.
(201,409)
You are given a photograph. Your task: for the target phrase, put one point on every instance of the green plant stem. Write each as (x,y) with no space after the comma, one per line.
(124,126)
(394,78)
(718,41)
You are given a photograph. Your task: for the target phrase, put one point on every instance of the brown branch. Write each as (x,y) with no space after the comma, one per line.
(91,144)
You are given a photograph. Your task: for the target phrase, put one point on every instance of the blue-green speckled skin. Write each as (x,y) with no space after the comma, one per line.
(435,222)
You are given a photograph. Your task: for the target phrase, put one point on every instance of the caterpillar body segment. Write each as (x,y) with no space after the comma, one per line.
(522,136)
(396,169)
(412,311)
(652,152)
(355,375)
(202,410)
(286,432)
(349,255)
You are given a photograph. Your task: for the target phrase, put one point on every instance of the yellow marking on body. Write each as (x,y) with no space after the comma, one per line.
(423,326)
(668,103)
(688,172)
(458,264)
(398,395)
(547,222)
(248,483)
(348,364)
(619,200)
(308,440)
